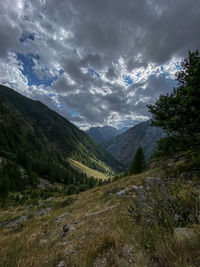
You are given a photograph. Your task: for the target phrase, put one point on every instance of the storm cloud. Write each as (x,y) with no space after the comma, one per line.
(96,62)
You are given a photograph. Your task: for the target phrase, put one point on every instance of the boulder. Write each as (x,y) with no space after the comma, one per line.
(121,193)
(60,218)
(137,189)
(62,264)
(150,183)
(42,212)
(19,220)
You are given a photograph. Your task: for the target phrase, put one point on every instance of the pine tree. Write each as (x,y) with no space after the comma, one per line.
(178,113)
(138,164)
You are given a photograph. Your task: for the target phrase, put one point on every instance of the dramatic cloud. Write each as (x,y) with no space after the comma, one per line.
(96,62)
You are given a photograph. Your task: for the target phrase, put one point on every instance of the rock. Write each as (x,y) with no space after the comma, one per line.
(100,262)
(63,244)
(127,251)
(42,212)
(44,184)
(60,218)
(19,220)
(65,229)
(137,189)
(121,193)
(4,223)
(142,199)
(188,175)
(70,250)
(184,234)
(150,183)
(176,217)
(62,264)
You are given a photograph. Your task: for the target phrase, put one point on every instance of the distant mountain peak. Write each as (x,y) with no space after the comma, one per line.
(124,146)
(102,134)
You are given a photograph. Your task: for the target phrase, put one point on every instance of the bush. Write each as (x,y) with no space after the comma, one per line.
(171,205)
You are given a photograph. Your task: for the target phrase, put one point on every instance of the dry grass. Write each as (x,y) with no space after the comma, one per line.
(85,169)
(109,239)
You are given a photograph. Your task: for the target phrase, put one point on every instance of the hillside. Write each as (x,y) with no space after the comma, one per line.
(61,133)
(26,156)
(119,224)
(105,133)
(88,171)
(124,146)
(102,134)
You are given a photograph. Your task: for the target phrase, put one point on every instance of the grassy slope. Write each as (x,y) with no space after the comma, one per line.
(38,241)
(110,237)
(84,169)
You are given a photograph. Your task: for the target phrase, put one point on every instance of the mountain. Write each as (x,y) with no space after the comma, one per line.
(26,155)
(40,140)
(102,134)
(105,133)
(124,146)
(122,130)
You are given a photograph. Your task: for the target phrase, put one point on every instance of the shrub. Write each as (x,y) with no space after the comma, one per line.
(165,207)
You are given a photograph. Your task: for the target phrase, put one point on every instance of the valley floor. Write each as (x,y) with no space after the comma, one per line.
(99,231)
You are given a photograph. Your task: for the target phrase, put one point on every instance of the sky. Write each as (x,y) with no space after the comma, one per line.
(96,62)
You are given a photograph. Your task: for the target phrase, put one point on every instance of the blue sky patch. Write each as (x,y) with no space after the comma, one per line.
(128,80)
(178,66)
(93,73)
(26,36)
(28,71)
(73,113)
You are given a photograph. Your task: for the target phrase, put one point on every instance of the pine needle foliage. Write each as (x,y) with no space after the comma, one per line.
(138,164)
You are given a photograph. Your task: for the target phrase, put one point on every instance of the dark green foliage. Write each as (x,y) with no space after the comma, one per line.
(58,131)
(138,164)
(10,177)
(28,155)
(72,189)
(35,143)
(178,113)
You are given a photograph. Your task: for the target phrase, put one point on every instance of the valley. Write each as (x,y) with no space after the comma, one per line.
(133,200)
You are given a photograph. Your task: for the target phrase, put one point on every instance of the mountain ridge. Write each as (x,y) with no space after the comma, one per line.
(124,146)
(58,130)
(102,134)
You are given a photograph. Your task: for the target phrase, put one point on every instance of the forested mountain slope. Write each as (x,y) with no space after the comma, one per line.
(57,130)
(124,146)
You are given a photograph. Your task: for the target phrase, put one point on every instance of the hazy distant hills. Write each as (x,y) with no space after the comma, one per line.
(105,133)
(102,134)
(124,146)
(57,131)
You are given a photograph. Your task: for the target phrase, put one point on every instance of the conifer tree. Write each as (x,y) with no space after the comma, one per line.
(178,113)
(138,164)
